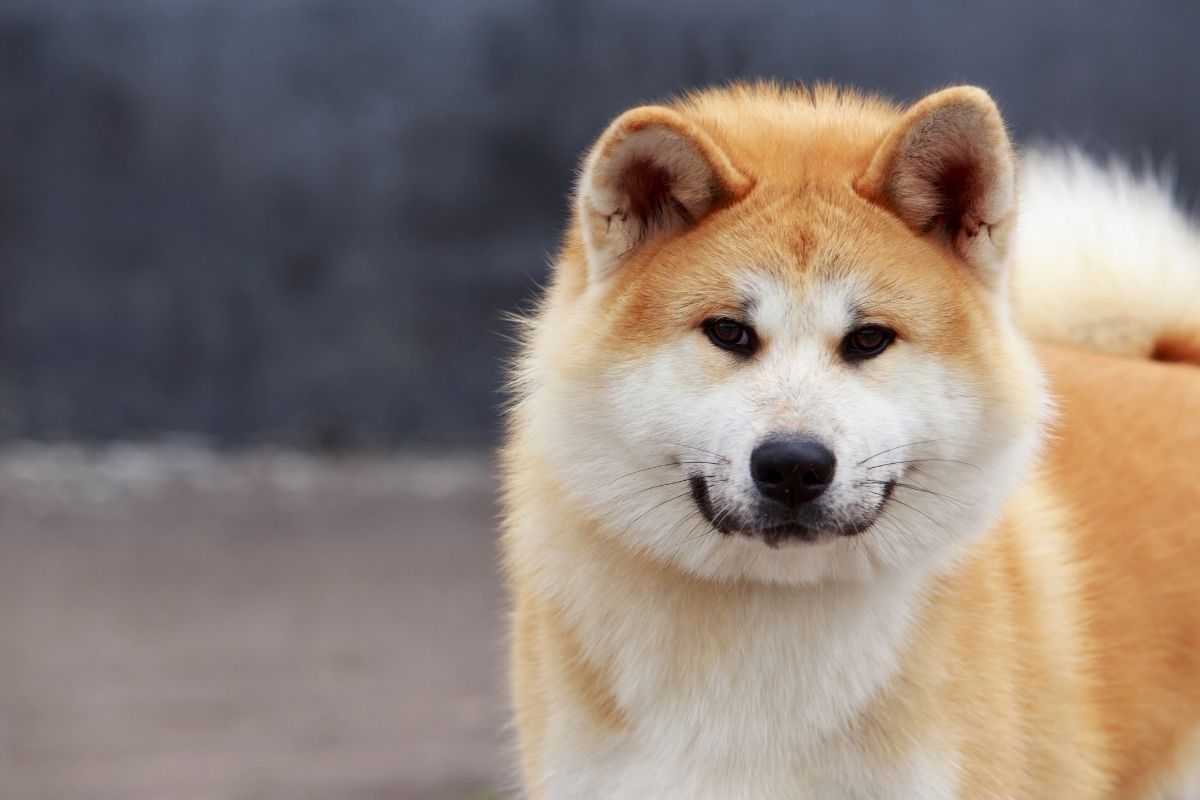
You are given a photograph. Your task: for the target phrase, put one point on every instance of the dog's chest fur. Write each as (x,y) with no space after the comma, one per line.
(747,692)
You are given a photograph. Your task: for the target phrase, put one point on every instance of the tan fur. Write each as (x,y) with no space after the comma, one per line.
(1057,654)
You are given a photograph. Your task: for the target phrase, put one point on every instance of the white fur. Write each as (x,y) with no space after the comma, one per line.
(811,633)
(1181,780)
(613,440)
(765,716)
(1103,257)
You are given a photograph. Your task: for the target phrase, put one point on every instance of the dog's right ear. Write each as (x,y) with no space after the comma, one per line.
(652,174)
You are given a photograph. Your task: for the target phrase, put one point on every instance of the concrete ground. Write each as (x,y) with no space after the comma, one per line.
(179,625)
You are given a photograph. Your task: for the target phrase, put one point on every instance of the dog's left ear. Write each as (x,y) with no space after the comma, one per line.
(947,170)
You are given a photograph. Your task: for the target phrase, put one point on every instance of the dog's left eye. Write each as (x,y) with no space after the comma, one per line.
(866,342)
(729,334)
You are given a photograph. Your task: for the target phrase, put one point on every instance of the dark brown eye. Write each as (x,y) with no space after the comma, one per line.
(729,334)
(866,342)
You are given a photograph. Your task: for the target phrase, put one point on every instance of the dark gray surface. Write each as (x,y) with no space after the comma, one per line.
(298,220)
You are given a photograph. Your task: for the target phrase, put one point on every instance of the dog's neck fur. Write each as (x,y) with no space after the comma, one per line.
(714,673)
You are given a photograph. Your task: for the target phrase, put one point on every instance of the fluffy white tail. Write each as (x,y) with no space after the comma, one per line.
(1104,259)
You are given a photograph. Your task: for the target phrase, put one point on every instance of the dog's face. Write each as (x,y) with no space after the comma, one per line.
(786,380)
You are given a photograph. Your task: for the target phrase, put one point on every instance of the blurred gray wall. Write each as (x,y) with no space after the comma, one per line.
(299,220)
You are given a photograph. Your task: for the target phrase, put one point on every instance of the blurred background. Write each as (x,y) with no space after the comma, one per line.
(253,257)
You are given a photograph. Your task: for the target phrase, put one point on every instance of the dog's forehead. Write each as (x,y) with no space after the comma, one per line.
(821,302)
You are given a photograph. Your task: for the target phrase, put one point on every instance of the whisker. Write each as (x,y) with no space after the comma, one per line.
(942,495)
(721,516)
(897,447)
(652,508)
(891,546)
(693,447)
(682,518)
(923,514)
(917,488)
(663,466)
(693,536)
(922,461)
(712,478)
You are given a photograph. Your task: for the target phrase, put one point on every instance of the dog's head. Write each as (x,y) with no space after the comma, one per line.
(778,343)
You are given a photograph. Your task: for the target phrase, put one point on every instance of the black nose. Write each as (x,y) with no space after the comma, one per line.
(792,471)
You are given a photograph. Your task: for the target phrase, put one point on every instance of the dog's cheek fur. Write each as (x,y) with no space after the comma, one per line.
(624,436)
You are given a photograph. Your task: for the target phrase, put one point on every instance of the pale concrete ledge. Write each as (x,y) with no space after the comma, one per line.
(180,623)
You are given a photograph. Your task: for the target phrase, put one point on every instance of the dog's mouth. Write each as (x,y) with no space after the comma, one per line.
(808,524)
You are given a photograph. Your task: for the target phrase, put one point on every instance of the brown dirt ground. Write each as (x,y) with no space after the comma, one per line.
(176,624)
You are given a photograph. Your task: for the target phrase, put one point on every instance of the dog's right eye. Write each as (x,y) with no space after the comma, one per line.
(729,334)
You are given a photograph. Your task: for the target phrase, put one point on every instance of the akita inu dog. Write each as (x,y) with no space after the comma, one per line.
(793,506)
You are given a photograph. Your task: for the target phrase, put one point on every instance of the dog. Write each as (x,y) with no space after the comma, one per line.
(794,506)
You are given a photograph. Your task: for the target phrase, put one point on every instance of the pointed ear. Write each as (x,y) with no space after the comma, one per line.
(651,175)
(947,170)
